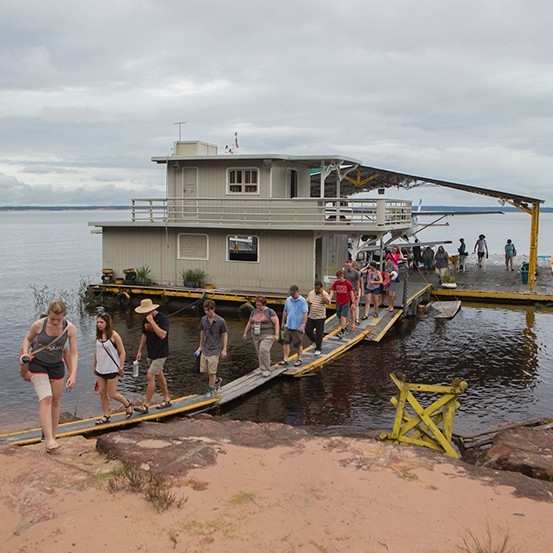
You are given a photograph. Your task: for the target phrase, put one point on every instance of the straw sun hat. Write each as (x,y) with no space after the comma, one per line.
(146,306)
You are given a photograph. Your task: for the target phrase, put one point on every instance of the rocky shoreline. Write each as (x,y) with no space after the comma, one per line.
(241,486)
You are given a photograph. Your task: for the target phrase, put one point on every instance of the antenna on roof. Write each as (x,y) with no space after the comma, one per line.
(235,146)
(180,124)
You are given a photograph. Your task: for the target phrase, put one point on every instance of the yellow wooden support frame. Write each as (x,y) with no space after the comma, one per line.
(423,427)
(534,212)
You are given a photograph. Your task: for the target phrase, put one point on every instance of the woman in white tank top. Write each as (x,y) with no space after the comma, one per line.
(109,365)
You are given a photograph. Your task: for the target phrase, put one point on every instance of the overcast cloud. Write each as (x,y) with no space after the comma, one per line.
(89,91)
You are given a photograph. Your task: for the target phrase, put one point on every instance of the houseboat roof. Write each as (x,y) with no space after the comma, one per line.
(355,177)
(365,178)
(311,161)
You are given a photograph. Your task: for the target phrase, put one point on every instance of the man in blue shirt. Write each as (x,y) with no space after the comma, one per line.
(294,319)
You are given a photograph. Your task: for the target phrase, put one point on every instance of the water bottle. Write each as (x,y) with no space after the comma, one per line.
(135,368)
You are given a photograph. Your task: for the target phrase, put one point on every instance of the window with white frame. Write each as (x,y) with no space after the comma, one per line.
(243,181)
(193,246)
(243,248)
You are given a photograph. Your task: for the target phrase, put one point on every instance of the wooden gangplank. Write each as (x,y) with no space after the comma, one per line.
(332,347)
(444,309)
(118,420)
(184,405)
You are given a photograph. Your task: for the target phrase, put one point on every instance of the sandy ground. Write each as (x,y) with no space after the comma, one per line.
(318,495)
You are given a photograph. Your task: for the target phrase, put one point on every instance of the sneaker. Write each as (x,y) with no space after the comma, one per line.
(218,383)
(265,374)
(340,334)
(210,391)
(345,331)
(317,352)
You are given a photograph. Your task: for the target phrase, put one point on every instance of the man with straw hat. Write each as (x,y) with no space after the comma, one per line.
(155,336)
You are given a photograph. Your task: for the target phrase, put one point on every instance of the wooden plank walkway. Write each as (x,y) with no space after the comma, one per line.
(332,347)
(444,309)
(85,426)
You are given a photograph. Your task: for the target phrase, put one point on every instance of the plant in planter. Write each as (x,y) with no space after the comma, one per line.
(448,280)
(193,278)
(143,274)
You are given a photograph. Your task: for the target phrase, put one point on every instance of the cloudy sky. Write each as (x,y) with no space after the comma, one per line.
(90,91)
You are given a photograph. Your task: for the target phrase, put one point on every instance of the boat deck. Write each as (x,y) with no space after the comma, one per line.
(492,283)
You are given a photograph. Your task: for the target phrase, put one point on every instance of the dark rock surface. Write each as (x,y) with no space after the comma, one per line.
(525,450)
(174,448)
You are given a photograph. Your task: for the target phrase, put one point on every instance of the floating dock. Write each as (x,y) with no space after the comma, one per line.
(489,284)
(493,284)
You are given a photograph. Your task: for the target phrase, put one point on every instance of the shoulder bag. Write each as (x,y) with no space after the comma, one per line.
(24,368)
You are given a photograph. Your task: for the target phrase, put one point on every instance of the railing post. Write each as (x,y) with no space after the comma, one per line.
(380,212)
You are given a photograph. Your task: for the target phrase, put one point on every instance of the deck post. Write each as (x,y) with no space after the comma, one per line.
(533,260)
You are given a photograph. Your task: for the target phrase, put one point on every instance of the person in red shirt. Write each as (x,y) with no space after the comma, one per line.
(343,290)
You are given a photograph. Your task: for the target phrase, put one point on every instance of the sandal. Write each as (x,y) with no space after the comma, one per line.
(364,317)
(142,409)
(128,414)
(284,363)
(298,363)
(164,404)
(103,420)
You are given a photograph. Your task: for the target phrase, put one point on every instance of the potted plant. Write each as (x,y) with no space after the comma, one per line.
(143,274)
(193,278)
(448,280)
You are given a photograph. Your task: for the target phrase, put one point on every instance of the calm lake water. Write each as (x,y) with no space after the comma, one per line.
(505,354)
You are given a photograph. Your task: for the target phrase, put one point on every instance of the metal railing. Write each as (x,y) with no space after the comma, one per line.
(274,211)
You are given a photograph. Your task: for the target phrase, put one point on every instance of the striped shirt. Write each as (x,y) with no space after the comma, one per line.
(317,307)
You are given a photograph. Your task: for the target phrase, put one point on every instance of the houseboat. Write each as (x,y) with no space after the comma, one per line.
(254,222)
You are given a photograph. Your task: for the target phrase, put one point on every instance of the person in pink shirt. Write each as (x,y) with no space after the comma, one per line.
(343,290)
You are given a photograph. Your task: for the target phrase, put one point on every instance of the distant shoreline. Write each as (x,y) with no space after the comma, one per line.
(66,208)
(460,209)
